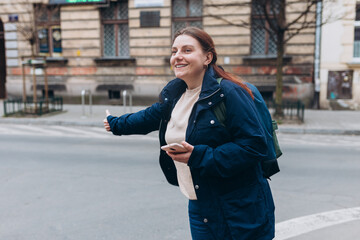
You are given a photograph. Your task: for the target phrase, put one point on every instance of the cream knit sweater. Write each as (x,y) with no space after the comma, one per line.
(175,133)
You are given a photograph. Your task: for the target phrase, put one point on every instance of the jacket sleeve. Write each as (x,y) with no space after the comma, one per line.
(248,145)
(142,122)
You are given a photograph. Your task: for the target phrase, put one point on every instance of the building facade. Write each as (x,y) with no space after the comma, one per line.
(106,46)
(340,56)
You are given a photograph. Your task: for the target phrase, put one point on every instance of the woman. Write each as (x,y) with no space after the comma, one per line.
(220,171)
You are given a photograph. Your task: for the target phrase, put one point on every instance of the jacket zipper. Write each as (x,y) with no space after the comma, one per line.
(186,138)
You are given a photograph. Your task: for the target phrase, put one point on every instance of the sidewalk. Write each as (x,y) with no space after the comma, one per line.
(326,122)
(316,121)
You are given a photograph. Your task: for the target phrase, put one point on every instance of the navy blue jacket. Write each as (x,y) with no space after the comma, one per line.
(225,162)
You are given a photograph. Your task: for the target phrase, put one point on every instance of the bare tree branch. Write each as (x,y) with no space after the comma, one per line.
(243,23)
(303,13)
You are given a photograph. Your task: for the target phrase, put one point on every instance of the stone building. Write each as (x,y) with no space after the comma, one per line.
(340,57)
(106,46)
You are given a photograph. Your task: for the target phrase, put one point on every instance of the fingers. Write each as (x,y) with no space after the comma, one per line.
(180,157)
(107,125)
(187,146)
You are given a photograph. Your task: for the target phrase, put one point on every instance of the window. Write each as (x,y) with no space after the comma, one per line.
(50,93)
(340,85)
(114,94)
(47,19)
(262,41)
(186,13)
(357,33)
(115,29)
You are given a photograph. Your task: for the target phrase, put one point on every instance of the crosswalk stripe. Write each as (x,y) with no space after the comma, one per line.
(14,129)
(301,225)
(66,131)
(40,130)
(85,132)
(10,130)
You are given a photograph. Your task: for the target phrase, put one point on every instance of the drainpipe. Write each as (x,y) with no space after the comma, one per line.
(317,55)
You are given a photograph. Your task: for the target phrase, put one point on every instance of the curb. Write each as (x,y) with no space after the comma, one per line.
(285,130)
(319,131)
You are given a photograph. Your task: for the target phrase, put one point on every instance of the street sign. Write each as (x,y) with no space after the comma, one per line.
(148,3)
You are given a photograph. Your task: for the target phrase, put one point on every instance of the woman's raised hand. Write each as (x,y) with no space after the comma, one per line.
(106,123)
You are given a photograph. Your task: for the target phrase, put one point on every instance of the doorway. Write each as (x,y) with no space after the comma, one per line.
(2,62)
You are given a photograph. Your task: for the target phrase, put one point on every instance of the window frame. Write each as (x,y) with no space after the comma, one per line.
(49,24)
(356,26)
(186,19)
(267,34)
(116,23)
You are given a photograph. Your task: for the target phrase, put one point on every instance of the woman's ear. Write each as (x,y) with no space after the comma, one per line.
(209,58)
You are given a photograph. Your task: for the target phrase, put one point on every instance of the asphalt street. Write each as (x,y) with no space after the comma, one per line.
(83,183)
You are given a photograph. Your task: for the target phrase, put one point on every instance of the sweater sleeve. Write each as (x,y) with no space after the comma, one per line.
(248,145)
(142,122)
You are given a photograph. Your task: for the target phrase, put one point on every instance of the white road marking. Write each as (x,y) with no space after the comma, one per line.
(79,132)
(37,130)
(301,225)
(66,131)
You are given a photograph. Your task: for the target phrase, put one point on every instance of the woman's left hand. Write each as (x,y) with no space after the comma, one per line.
(182,157)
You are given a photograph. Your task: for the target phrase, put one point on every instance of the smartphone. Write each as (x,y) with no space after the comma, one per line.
(174,148)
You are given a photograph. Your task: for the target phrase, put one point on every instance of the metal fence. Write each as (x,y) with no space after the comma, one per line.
(292,109)
(19,107)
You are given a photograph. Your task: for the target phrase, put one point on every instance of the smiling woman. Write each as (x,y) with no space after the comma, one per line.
(220,170)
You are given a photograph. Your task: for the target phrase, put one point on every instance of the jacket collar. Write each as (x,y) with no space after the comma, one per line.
(177,86)
(209,84)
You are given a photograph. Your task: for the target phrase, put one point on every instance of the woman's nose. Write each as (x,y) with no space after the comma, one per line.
(178,55)
(176,58)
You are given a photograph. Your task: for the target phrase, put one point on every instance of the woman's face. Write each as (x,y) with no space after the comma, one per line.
(188,59)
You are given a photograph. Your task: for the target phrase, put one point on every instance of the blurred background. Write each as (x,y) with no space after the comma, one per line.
(63,62)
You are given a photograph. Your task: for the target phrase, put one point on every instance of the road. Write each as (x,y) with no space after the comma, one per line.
(83,183)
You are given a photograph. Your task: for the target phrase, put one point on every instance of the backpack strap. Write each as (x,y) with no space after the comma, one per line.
(276,142)
(220,109)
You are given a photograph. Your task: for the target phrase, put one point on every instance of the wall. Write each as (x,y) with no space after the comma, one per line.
(337,52)
(148,70)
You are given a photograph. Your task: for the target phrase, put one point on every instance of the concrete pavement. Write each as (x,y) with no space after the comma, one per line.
(316,121)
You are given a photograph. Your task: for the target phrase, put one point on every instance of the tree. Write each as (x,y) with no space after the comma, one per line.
(31,10)
(279,30)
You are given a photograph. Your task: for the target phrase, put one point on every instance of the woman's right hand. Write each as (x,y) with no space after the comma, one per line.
(106,123)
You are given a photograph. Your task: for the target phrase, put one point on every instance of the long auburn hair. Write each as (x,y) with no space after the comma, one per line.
(208,45)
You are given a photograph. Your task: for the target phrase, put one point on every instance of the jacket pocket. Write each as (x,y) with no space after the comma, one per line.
(210,132)
(245,209)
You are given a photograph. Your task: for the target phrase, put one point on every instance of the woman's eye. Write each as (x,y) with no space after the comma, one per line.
(173,52)
(188,50)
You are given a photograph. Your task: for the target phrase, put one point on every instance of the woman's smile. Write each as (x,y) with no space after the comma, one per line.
(180,65)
